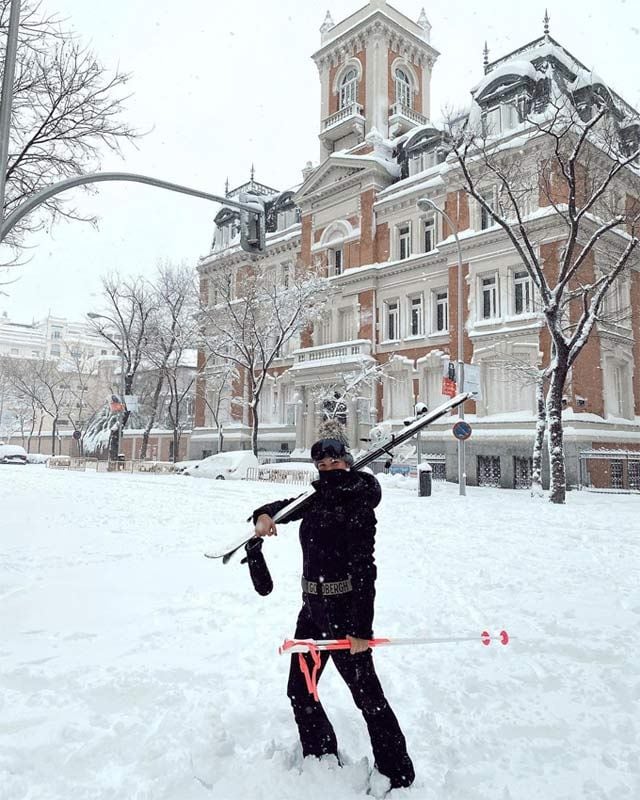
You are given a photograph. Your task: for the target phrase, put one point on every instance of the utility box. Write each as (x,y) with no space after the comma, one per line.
(424,479)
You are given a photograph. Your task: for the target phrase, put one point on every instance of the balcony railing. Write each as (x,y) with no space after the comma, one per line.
(353,110)
(345,351)
(402,110)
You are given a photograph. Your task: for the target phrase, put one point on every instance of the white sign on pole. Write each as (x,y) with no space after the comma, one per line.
(471,377)
(472,380)
(132,402)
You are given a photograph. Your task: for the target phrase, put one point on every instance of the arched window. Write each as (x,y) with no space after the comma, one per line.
(349,89)
(404,92)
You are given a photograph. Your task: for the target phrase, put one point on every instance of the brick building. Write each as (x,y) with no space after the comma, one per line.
(393,268)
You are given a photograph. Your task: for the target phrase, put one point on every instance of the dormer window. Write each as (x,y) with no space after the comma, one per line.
(404,91)
(503,117)
(349,89)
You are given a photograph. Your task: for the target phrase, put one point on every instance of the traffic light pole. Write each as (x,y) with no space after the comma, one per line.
(254,210)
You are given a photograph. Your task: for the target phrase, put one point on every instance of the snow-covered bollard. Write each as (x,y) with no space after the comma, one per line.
(424,479)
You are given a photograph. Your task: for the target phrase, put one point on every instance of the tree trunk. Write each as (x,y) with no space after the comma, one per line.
(53,436)
(152,419)
(541,427)
(558,479)
(176,444)
(254,425)
(220,438)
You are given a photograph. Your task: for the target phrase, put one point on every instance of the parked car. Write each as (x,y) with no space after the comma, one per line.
(180,466)
(222,466)
(12,454)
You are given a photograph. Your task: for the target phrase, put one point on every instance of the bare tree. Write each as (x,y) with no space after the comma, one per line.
(577,170)
(66,113)
(124,323)
(249,319)
(81,370)
(350,386)
(44,386)
(220,378)
(171,345)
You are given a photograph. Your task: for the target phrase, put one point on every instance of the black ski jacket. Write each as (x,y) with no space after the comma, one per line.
(337,535)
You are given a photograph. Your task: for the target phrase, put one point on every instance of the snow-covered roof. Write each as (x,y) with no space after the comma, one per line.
(391,166)
(517,67)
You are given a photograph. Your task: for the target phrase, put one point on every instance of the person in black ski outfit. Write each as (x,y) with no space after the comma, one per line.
(337,534)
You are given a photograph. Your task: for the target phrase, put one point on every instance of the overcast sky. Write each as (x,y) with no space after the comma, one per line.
(220,85)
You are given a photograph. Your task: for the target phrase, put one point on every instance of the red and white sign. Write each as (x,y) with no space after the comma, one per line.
(449,387)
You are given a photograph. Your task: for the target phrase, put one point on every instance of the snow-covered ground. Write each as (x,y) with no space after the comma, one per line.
(133,668)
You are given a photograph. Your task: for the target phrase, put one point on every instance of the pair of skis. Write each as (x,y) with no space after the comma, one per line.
(383,448)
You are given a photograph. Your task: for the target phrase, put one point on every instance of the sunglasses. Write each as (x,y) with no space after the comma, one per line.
(328,448)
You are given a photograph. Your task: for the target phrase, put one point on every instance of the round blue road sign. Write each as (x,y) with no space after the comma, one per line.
(462,430)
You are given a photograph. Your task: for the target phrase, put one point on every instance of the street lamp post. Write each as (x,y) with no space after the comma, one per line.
(93,315)
(425,204)
(6,103)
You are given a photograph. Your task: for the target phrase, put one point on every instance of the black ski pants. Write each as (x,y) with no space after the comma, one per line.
(326,618)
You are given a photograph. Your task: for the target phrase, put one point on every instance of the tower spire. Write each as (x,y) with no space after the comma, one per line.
(253,172)
(327,24)
(226,188)
(423,22)
(546,22)
(485,54)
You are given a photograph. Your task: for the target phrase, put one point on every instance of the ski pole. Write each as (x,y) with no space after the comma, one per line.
(310,645)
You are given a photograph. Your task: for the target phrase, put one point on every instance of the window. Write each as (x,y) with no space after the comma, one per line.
(489,287)
(489,473)
(523,292)
(404,241)
(56,333)
(503,117)
(103,352)
(425,160)
(486,220)
(441,316)
(346,324)
(55,349)
(429,234)
(619,390)
(349,89)
(617,474)
(285,271)
(392,320)
(336,261)
(404,95)
(416,316)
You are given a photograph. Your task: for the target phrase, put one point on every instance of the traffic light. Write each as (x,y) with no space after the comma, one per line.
(253,224)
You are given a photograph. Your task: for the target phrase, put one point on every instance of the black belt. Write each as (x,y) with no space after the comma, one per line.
(325,588)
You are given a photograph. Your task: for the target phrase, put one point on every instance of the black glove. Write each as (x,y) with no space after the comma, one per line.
(258,569)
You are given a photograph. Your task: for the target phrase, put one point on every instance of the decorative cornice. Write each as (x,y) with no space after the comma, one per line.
(415,50)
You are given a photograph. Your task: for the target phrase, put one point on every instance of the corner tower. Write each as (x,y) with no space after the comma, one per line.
(375,73)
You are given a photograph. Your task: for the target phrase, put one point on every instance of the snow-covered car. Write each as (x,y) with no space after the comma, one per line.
(222,466)
(12,454)
(37,458)
(180,466)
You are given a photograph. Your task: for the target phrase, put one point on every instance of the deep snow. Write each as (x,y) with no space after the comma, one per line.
(132,667)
